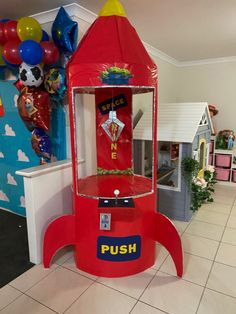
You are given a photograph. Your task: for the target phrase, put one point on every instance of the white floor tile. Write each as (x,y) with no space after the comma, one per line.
(211,217)
(217,207)
(161,254)
(223,279)
(216,303)
(196,269)
(175,296)
(99,299)
(132,285)
(226,254)
(229,236)
(206,230)
(224,191)
(26,305)
(232,221)
(181,225)
(199,246)
(70,264)
(141,308)
(7,295)
(233,211)
(31,277)
(59,289)
(224,199)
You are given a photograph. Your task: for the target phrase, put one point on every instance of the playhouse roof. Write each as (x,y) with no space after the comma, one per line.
(111,41)
(177,122)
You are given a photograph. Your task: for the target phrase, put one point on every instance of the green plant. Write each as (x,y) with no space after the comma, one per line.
(125,73)
(201,189)
(190,169)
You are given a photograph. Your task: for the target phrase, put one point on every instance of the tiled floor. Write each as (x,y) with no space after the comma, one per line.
(208,285)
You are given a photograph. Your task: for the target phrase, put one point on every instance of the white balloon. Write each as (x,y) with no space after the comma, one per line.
(31,75)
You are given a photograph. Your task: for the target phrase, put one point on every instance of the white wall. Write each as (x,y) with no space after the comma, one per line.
(167,80)
(213,83)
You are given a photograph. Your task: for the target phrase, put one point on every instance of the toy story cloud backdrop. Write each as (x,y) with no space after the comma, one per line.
(15,147)
(32,111)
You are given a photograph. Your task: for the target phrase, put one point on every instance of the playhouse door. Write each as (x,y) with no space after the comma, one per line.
(202,157)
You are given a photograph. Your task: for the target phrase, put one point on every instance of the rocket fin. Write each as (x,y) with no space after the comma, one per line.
(60,233)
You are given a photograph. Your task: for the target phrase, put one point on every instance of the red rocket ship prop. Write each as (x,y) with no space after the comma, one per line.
(115,223)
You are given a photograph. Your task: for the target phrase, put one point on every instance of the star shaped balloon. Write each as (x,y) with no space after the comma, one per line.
(65,31)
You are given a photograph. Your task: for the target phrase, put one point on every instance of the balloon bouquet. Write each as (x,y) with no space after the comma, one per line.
(24,45)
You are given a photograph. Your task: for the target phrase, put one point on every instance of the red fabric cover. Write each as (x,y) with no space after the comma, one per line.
(116,155)
(110,41)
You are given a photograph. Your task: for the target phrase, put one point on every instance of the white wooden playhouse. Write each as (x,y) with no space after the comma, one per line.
(184,130)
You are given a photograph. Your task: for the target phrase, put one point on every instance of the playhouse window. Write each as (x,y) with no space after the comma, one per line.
(169,165)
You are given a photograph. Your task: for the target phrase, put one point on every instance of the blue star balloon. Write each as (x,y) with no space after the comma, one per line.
(41,144)
(65,31)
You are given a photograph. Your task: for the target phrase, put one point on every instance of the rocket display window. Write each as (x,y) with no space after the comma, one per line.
(109,111)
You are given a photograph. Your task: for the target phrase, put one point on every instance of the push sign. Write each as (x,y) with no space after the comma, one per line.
(119,249)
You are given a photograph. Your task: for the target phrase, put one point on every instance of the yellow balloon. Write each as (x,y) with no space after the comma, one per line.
(1,58)
(29,28)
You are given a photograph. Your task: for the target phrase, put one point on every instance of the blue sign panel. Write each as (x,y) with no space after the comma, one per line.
(119,249)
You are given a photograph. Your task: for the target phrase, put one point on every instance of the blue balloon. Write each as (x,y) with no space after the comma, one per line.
(65,32)
(55,84)
(41,144)
(31,52)
(11,66)
(45,36)
(4,20)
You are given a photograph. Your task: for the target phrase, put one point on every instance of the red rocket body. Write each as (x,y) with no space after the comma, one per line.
(115,222)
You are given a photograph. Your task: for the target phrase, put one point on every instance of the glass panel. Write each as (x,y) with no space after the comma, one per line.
(104,143)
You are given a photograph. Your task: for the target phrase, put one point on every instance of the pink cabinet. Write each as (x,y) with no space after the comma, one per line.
(223,160)
(234,175)
(222,174)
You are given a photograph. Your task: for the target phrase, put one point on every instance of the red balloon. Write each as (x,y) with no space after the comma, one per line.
(11,52)
(50,52)
(34,108)
(10,31)
(2,35)
(19,85)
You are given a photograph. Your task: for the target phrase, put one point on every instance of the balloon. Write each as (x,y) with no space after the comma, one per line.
(50,52)
(12,67)
(29,28)
(31,52)
(10,30)
(41,144)
(11,52)
(65,31)
(34,108)
(2,63)
(55,83)
(31,75)
(45,36)
(2,35)
(19,85)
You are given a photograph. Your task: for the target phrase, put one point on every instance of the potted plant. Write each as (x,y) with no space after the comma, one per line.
(201,188)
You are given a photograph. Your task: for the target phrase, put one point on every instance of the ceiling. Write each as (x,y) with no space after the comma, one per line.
(186,30)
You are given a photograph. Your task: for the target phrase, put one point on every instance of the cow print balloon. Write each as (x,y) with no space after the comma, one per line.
(31,75)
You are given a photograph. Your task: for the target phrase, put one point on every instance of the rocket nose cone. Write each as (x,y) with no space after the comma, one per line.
(112,7)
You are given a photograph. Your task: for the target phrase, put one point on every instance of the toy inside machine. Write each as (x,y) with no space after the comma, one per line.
(115,224)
